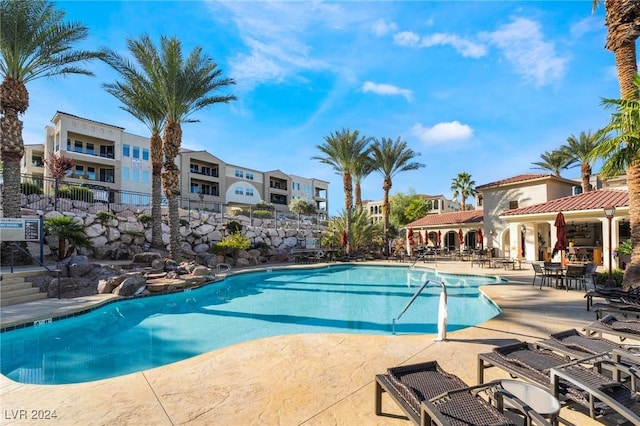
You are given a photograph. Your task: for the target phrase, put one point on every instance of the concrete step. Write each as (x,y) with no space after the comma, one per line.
(4,301)
(11,280)
(18,291)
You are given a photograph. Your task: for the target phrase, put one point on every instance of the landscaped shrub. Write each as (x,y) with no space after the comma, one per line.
(77,193)
(262,214)
(601,278)
(104,217)
(234,227)
(28,188)
(231,244)
(145,219)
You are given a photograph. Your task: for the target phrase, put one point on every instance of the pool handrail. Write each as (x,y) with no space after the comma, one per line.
(415,296)
(422,256)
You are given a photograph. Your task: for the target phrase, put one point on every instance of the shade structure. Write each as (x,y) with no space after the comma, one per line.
(410,236)
(460,236)
(561,241)
(479,238)
(439,238)
(343,238)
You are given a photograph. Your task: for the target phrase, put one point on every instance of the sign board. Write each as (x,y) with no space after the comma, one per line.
(310,243)
(19,229)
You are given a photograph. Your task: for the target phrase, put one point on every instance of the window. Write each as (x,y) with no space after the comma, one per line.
(91,173)
(195,188)
(239,191)
(126,173)
(126,150)
(480,200)
(106,151)
(205,171)
(36,161)
(249,176)
(77,146)
(106,175)
(68,145)
(206,189)
(513,205)
(136,152)
(145,176)
(194,168)
(145,154)
(248,192)
(239,173)
(79,171)
(90,150)
(136,175)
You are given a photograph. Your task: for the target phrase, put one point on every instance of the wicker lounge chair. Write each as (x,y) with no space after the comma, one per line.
(571,381)
(624,329)
(429,395)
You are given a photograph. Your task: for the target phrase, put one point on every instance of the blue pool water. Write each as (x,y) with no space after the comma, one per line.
(143,333)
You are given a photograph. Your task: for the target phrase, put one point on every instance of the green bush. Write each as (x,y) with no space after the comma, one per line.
(232,243)
(104,217)
(145,219)
(263,214)
(233,227)
(601,278)
(28,188)
(77,193)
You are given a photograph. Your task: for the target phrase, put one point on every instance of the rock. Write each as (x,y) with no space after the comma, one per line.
(200,271)
(242,262)
(131,285)
(146,258)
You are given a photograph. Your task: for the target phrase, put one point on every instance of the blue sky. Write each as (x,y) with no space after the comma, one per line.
(473,86)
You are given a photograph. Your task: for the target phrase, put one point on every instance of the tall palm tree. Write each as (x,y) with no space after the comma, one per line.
(578,150)
(622,18)
(554,161)
(621,152)
(183,86)
(135,92)
(35,42)
(341,150)
(362,167)
(390,158)
(463,187)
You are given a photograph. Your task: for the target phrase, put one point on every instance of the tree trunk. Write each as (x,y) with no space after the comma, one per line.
(585,172)
(170,179)
(386,187)
(156,192)
(348,206)
(464,202)
(358,193)
(11,152)
(632,273)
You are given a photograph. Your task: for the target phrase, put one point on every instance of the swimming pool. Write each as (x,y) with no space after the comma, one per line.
(142,333)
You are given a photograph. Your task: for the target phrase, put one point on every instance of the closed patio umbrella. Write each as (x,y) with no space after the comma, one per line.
(410,236)
(561,242)
(419,238)
(343,238)
(479,238)
(460,236)
(439,238)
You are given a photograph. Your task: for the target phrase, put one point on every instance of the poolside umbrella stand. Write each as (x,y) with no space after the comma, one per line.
(561,242)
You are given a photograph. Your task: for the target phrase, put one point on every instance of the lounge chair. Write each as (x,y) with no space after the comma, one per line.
(429,395)
(613,295)
(572,381)
(624,329)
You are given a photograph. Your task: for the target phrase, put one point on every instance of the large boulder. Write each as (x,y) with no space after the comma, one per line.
(131,286)
(146,258)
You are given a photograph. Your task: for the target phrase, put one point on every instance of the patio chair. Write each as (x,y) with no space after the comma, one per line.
(429,395)
(575,274)
(538,272)
(571,381)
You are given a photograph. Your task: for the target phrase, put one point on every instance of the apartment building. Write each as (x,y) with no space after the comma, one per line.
(108,158)
(439,204)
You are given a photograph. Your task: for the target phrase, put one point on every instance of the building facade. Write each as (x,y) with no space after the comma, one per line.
(108,158)
(439,204)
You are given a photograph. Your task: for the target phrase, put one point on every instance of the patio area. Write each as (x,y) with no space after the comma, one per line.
(311,379)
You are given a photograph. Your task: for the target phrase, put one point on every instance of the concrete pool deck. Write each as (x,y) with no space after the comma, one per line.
(310,379)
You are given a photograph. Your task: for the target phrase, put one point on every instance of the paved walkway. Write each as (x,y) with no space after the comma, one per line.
(308,379)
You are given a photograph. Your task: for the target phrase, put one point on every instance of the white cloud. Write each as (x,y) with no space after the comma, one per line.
(386,89)
(522,43)
(587,25)
(382,27)
(406,38)
(466,48)
(442,133)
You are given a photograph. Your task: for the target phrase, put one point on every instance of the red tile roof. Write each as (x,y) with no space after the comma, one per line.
(591,200)
(521,178)
(468,216)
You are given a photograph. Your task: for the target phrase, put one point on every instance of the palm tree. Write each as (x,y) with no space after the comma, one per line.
(463,187)
(622,152)
(135,92)
(362,168)
(341,150)
(390,158)
(578,150)
(553,161)
(67,230)
(622,18)
(183,87)
(34,43)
